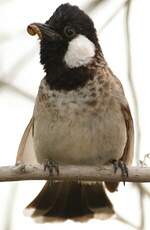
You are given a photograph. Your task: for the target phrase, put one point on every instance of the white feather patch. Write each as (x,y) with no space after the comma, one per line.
(28,211)
(80,52)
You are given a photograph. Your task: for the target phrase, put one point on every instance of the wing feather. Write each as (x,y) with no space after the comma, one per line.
(129,147)
(26,153)
(128,153)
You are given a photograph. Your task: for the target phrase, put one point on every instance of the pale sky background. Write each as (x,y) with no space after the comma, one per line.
(16,110)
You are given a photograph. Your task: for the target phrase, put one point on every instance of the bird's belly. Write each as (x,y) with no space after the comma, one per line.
(79,139)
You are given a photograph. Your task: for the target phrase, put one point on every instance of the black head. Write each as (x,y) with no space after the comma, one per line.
(69,21)
(68,28)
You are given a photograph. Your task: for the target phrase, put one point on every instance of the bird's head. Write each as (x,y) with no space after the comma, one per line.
(67,39)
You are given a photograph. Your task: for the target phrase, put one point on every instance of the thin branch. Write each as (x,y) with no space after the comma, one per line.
(135,102)
(130,79)
(8,212)
(6,79)
(17,67)
(145,190)
(120,218)
(141,199)
(93,4)
(17,90)
(114,14)
(7,37)
(72,172)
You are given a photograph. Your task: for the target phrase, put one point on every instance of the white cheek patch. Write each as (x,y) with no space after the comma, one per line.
(80,52)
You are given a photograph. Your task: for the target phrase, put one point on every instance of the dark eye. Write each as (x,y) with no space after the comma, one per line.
(69,32)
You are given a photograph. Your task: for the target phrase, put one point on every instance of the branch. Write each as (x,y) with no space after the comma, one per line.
(14,70)
(113,15)
(135,103)
(92,5)
(17,90)
(126,222)
(72,172)
(130,79)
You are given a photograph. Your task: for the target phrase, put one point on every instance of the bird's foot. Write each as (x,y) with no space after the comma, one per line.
(52,166)
(124,170)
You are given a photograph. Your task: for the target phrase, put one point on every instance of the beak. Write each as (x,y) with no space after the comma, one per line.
(43,31)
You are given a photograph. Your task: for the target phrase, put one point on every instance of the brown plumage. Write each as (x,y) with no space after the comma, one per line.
(71,200)
(81,116)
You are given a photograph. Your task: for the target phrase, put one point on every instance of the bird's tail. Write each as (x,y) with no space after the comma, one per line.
(59,201)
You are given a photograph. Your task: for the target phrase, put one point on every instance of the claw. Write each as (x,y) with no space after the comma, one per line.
(124,170)
(115,165)
(51,165)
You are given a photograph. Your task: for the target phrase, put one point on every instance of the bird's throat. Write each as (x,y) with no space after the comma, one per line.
(68,79)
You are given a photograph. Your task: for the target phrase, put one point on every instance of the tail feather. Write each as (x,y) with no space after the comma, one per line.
(71,200)
(69,205)
(99,200)
(45,200)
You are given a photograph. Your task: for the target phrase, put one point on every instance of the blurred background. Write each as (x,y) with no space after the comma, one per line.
(123,28)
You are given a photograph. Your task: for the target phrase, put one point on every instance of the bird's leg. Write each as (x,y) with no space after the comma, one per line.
(124,170)
(51,166)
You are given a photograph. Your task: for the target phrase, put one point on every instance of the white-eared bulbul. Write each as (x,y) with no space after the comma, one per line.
(81,117)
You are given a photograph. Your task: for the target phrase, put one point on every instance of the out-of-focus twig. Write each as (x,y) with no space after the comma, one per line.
(13,72)
(120,218)
(130,79)
(8,212)
(6,79)
(17,90)
(136,111)
(146,191)
(141,198)
(7,37)
(113,15)
(93,4)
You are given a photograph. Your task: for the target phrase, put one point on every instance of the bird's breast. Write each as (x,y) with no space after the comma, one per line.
(70,130)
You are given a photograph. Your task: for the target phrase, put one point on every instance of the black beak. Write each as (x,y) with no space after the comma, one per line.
(43,31)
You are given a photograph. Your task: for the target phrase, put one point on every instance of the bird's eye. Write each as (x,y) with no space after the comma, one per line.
(69,32)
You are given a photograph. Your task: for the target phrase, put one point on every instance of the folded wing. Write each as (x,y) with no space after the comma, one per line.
(26,153)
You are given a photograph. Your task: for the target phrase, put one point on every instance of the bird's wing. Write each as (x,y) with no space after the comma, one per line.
(26,153)
(129,147)
(127,156)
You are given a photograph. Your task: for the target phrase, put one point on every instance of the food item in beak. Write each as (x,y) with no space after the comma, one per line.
(33,29)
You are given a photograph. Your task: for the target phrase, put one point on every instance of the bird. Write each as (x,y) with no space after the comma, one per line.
(81,117)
